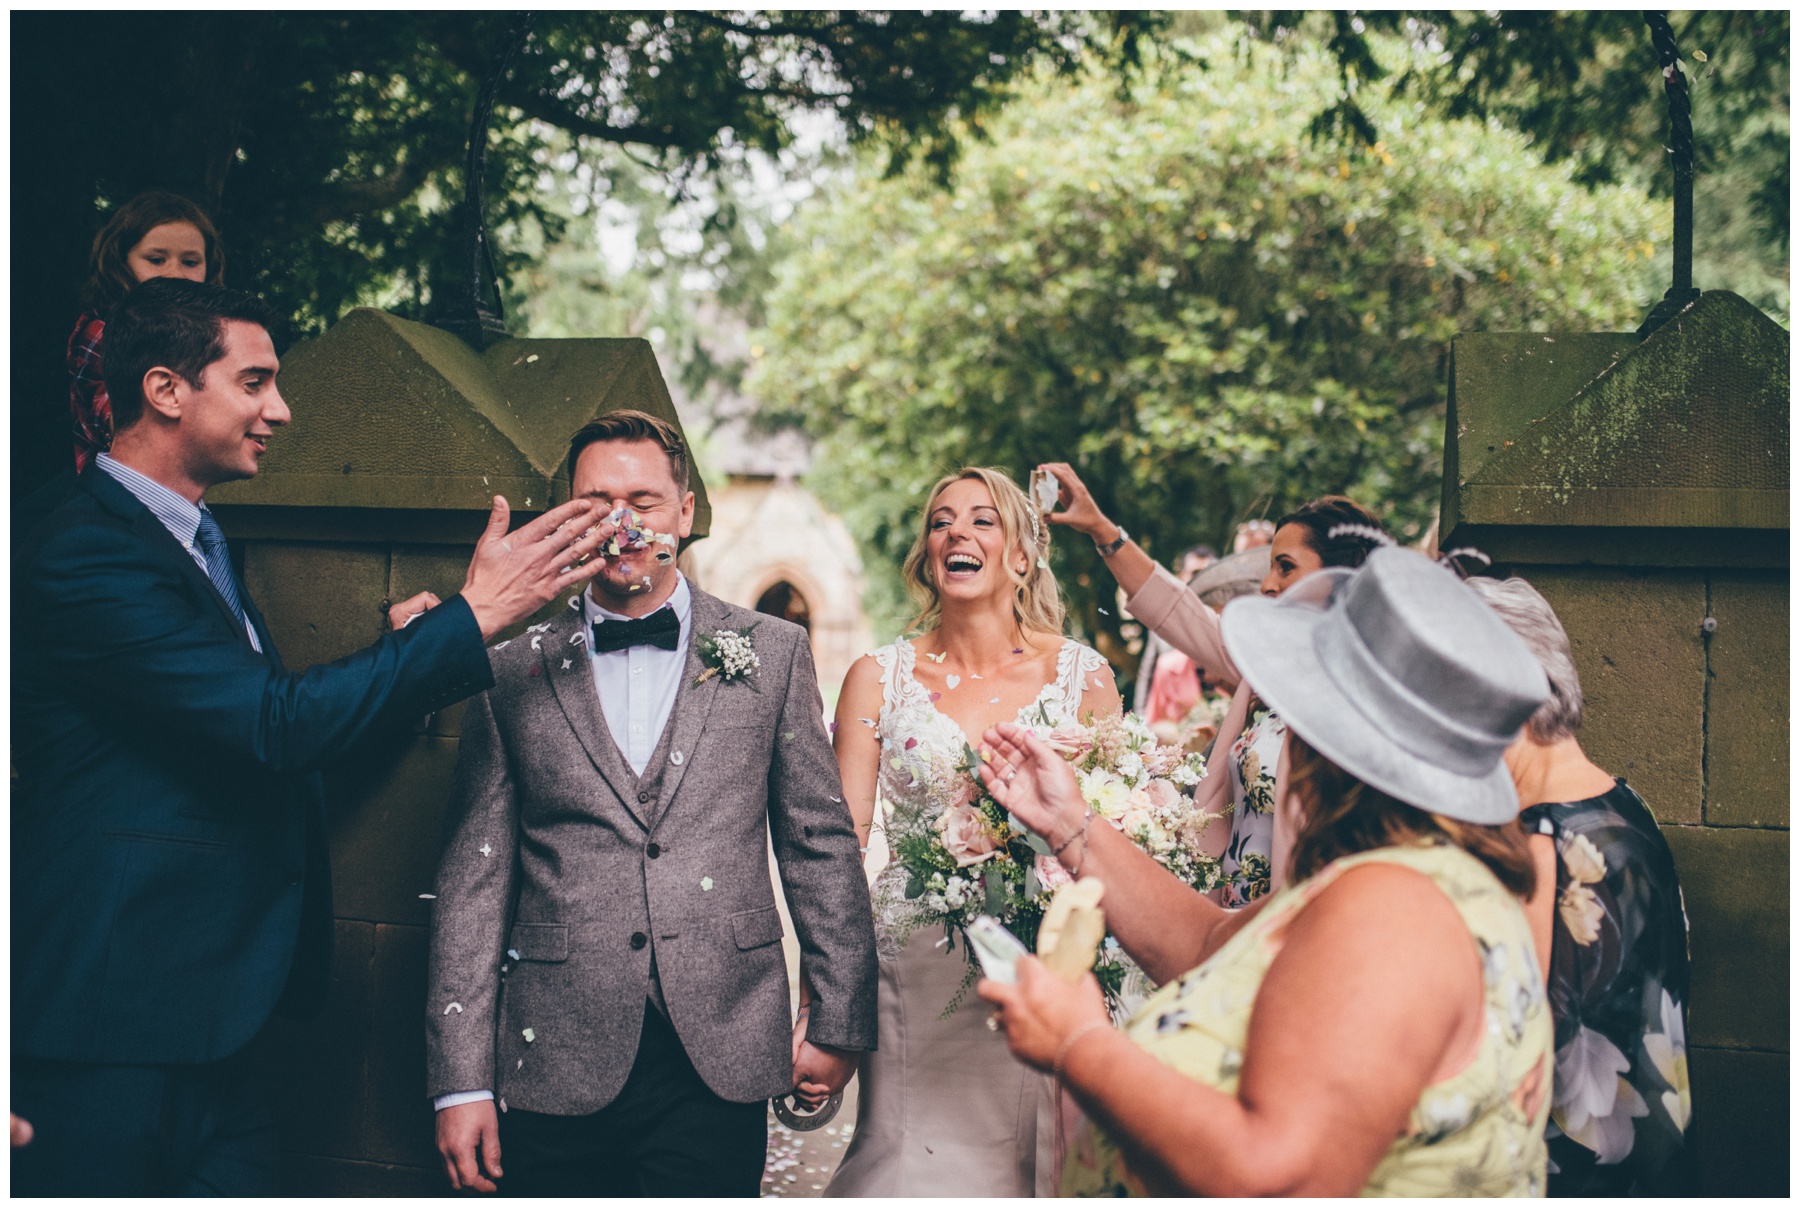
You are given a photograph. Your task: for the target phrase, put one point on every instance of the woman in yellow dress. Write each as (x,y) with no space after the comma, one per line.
(1379,1025)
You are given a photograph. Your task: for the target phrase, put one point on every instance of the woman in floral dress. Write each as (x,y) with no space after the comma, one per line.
(1610,927)
(1379,1024)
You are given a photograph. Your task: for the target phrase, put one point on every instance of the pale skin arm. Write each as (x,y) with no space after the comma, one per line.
(1335,1061)
(1540,907)
(856,744)
(1163,924)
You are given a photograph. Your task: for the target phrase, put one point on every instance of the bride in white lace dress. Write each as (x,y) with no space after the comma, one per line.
(944,1108)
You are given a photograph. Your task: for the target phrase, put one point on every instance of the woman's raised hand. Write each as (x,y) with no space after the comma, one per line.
(1079,511)
(1026,776)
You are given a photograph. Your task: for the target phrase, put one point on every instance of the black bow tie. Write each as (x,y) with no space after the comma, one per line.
(661,628)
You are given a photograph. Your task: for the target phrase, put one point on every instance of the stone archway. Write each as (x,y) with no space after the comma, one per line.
(782,599)
(771,537)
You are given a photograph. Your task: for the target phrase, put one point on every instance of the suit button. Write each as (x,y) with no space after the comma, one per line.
(639,939)
(653,851)
(643,797)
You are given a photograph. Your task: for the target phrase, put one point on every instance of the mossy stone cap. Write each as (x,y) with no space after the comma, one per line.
(388,413)
(1688,429)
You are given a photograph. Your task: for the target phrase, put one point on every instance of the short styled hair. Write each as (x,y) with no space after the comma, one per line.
(110,278)
(634,425)
(1530,616)
(174,324)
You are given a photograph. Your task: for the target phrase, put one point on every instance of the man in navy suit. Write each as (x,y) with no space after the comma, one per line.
(170,883)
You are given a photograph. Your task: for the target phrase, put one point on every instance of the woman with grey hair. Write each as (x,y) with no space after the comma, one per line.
(1608,920)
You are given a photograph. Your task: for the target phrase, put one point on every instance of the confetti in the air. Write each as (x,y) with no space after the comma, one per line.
(950,681)
(567,663)
(503,645)
(537,641)
(544,628)
(428,897)
(487,849)
(513,952)
(938,658)
(455,1006)
(706,884)
(529,1035)
(676,759)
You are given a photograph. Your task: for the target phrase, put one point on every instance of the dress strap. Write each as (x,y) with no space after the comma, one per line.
(898,686)
(1074,662)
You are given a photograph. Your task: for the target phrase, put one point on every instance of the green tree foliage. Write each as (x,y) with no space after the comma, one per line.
(1584,85)
(330,145)
(1211,314)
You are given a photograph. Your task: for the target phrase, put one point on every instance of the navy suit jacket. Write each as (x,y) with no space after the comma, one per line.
(170,882)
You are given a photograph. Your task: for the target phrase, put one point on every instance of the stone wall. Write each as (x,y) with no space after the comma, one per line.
(1698,724)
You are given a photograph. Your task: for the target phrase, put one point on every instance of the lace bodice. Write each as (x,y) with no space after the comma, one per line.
(921,748)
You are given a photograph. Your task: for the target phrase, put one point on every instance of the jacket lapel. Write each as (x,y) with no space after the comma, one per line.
(693,701)
(573,687)
(103,487)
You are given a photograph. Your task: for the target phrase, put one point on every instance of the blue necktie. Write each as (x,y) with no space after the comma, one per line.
(218,562)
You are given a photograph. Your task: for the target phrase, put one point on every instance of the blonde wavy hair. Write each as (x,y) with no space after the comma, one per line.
(1037,606)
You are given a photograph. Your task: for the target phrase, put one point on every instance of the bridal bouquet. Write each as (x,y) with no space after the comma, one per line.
(975,858)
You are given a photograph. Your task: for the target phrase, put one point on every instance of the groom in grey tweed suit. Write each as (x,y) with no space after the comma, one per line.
(606,966)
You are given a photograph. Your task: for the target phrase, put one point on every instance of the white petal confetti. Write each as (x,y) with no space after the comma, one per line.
(513,952)
(938,658)
(567,664)
(521,1064)
(544,628)
(676,759)
(428,897)
(503,645)
(537,641)
(706,884)
(487,849)
(867,721)
(950,681)
(503,1105)
(579,638)
(455,1006)
(529,1035)
(995,701)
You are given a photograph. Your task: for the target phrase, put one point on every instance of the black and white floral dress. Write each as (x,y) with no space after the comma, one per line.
(1618,992)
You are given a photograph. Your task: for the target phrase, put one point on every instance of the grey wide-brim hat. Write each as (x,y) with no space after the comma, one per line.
(1232,576)
(1400,675)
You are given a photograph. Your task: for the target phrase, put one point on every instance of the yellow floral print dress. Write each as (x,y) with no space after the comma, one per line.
(1478,1132)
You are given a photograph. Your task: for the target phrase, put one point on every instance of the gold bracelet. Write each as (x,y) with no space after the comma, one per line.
(1056,1067)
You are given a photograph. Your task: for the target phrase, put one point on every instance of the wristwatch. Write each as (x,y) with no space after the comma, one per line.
(1115,545)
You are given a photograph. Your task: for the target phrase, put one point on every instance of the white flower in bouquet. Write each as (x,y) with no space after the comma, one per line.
(1109,795)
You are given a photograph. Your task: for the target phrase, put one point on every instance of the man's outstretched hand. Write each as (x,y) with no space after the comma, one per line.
(514,574)
(465,1133)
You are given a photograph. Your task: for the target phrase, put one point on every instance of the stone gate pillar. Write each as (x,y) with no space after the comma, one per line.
(1643,488)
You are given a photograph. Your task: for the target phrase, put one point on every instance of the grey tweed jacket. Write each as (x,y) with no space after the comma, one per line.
(559,867)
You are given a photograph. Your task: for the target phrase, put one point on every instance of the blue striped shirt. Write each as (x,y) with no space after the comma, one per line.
(180,517)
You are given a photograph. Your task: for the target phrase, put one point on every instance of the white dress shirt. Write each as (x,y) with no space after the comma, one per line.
(637,688)
(638,685)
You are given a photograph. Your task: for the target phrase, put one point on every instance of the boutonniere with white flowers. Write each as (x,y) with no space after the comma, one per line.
(728,654)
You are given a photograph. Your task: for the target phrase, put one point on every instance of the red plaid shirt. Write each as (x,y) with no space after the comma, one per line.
(88,404)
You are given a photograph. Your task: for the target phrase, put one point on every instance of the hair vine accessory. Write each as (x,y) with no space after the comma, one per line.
(1367,532)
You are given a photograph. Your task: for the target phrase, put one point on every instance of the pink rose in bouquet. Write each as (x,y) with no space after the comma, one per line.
(1070,741)
(965,835)
(1051,874)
